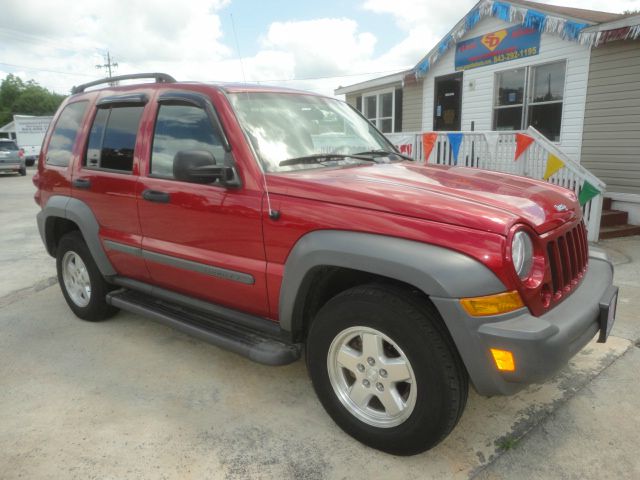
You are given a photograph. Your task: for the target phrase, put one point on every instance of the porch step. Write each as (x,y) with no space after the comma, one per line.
(606,203)
(616,231)
(611,218)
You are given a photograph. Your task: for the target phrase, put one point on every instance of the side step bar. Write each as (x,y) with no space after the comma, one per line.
(248,342)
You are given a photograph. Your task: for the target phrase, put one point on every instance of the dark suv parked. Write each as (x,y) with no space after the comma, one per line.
(266,220)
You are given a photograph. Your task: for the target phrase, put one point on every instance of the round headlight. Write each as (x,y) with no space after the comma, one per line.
(522,254)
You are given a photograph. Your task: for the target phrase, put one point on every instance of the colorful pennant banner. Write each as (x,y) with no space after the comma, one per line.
(492,143)
(455,140)
(587,192)
(522,143)
(428,141)
(553,165)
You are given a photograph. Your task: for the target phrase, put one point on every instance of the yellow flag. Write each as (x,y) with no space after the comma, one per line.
(553,165)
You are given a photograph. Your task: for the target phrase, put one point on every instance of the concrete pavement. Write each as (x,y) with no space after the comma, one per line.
(129,398)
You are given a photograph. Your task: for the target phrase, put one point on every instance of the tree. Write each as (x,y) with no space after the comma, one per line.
(20,98)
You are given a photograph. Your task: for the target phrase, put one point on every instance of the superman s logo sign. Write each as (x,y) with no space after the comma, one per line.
(492,40)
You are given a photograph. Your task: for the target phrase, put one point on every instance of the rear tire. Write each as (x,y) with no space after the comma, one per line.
(386,370)
(82,284)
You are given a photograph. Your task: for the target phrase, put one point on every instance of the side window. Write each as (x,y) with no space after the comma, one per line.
(64,134)
(113,138)
(181,128)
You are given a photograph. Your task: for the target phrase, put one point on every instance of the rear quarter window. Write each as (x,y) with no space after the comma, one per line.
(113,138)
(65,134)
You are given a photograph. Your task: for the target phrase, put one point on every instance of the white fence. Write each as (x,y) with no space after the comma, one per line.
(476,152)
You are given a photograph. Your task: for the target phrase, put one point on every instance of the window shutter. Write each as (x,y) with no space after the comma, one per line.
(398,111)
(359,103)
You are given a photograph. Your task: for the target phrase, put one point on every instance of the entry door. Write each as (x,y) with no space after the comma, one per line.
(447,110)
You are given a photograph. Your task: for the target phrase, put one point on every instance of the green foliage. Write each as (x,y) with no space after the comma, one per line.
(25,98)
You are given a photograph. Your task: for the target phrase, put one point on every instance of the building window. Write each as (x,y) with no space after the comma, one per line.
(379,108)
(540,107)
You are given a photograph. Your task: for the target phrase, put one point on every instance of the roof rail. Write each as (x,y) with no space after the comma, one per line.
(159,77)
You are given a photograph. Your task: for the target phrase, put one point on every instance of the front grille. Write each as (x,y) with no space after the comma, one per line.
(568,256)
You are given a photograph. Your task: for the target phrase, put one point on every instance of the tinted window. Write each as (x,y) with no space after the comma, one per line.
(181,128)
(113,138)
(65,133)
(95,137)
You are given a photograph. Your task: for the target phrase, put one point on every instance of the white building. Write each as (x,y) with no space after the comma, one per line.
(573,74)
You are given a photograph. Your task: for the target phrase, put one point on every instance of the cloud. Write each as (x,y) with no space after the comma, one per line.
(64,40)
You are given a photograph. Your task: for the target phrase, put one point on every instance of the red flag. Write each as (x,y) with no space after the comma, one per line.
(522,143)
(428,140)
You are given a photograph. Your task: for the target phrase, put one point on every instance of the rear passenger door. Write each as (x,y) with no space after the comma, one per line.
(106,180)
(204,240)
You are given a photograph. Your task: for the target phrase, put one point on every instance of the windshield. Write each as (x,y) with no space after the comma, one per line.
(6,146)
(286,126)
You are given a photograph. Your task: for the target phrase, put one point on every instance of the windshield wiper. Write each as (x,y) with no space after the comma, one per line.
(323,157)
(385,153)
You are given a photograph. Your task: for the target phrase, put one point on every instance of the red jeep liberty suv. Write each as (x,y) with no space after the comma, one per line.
(272,222)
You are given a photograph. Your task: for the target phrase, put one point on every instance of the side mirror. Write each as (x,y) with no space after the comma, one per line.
(199,166)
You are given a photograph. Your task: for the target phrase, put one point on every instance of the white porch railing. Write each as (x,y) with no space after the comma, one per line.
(475,152)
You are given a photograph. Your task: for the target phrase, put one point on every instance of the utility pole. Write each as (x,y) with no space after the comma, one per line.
(108,65)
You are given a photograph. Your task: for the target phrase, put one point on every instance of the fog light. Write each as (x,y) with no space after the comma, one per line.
(492,304)
(504,360)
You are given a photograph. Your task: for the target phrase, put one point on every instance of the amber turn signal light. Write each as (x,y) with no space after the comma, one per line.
(492,304)
(504,360)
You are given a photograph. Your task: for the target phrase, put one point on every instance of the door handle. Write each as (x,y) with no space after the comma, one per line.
(156,196)
(81,183)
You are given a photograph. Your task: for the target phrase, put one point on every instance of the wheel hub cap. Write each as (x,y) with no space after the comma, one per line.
(372,377)
(76,279)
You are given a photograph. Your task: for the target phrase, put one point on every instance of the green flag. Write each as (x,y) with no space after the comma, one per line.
(587,192)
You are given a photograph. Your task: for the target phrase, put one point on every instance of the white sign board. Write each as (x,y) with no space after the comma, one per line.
(30,132)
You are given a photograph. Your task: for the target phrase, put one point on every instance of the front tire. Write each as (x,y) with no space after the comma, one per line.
(82,284)
(386,370)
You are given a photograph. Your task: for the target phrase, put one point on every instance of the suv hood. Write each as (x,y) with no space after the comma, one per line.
(462,196)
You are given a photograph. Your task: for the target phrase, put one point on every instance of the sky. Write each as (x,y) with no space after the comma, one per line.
(309,45)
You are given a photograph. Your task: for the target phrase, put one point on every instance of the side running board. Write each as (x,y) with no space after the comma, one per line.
(251,343)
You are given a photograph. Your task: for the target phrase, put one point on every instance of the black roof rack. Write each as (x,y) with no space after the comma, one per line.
(159,77)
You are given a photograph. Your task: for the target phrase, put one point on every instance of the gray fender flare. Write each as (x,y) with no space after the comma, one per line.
(436,271)
(78,212)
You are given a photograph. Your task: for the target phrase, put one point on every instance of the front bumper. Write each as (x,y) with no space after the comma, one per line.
(540,345)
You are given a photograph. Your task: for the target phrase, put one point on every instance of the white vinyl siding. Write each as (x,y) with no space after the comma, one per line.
(611,139)
(478,85)
(412,107)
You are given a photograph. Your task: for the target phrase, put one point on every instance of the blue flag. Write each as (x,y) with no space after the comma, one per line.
(455,140)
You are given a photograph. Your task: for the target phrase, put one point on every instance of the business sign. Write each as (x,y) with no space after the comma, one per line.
(497,47)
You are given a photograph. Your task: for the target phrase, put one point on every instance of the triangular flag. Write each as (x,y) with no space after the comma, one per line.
(587,192)
(553,165)
(522,143)
(492,143)
(455,139)
(428,140)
